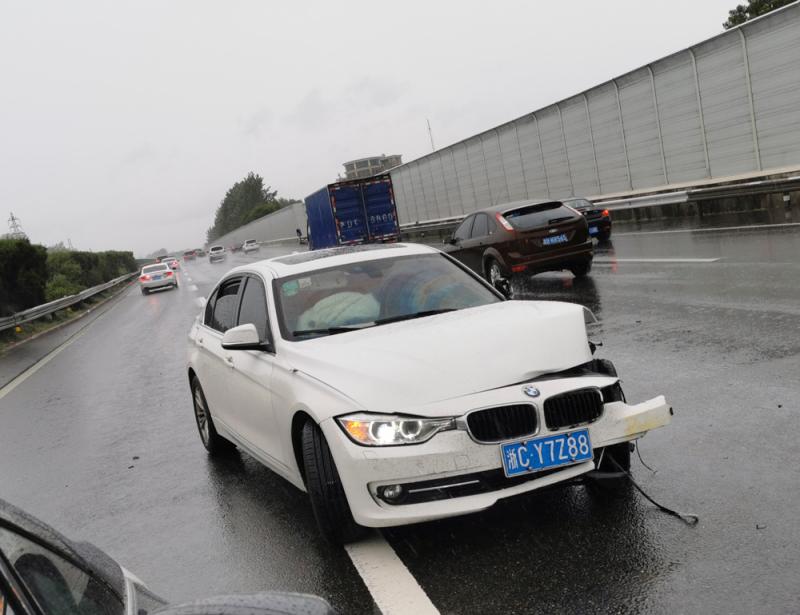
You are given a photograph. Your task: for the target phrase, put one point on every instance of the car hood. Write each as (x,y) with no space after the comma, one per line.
(421,361)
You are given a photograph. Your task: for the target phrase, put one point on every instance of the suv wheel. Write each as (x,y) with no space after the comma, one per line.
(581,270)
(497,278)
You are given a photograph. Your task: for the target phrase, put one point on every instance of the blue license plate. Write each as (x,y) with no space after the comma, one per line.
(593,230)
(539,454)
(156,277)
(551,241)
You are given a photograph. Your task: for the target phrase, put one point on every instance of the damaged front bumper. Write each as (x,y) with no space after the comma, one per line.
(452,474)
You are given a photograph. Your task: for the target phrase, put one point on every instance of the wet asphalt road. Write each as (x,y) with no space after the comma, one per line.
(720,339)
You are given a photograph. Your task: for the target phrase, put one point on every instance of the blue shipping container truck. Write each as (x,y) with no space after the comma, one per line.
(352,212)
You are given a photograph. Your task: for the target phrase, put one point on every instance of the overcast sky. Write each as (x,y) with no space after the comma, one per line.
(122,124)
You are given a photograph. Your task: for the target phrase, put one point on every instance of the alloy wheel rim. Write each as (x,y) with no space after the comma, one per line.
(201,415)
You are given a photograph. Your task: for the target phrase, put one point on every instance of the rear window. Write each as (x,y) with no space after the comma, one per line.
(543,214)
(216,249)
(154,268)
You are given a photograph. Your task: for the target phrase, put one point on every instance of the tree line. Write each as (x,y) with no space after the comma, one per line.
(247,200)
(31,275)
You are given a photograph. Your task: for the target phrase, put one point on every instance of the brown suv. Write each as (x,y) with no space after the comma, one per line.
(523,236)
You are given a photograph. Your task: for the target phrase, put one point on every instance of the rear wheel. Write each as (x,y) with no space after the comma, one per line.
(328,500)
(214,443)
(145,291)
(582,269)
(497,278)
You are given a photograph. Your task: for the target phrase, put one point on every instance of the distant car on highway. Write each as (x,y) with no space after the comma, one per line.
(598,218)
(200,252)
(395,385)
(251,245)
(189,255)
(523,237)
(157,276)
(43,573)
(216,254)
(171,261)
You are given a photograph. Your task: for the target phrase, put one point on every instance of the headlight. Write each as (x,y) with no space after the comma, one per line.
(391,429)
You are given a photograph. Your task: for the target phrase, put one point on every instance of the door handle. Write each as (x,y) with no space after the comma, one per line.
(229,359)
(199,340)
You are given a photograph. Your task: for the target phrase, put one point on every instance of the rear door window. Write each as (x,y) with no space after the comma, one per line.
(481,226)
(542,214)
(226,306)
(462,232)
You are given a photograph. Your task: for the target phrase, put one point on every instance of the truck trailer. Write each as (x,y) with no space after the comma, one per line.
(352,212)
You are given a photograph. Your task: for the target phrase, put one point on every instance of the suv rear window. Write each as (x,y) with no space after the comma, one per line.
(542,214)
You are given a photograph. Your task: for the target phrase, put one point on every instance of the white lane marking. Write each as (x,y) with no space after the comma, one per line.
(188,279)
(611,261)
(193,287)
(392,586)
(42,362)
(711,230)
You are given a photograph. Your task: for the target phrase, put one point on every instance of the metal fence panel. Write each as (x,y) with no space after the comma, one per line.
(555,156)
(478,173)
(455,199)
(532,160)
(679,112)
(641,129)
(495,172)
(774,53)
(607,132)
(439,191)
(511,161)
(720,66)
(579,147)
(466,187)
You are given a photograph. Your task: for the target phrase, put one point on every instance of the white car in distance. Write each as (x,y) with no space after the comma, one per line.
(216,254)
(157,276)
(395,386)
(251,245)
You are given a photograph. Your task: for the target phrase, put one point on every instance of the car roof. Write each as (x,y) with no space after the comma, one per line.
(301,262)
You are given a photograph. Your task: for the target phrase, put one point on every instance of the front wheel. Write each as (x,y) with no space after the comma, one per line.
(328,500)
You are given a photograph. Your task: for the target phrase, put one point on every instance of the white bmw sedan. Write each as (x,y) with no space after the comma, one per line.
(395,386)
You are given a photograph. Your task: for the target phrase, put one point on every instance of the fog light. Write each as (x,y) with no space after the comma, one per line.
(392,493)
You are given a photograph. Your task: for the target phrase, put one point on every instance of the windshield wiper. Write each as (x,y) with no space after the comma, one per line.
(386,321)
(329,330)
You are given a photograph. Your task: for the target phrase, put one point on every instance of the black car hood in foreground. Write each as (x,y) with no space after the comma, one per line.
(84,554)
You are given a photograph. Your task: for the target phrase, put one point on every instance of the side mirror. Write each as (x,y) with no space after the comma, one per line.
(452,241)
(243,337)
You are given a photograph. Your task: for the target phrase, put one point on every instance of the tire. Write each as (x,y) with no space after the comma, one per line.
(496,277)
(145,291)
(604,237)
(214,443)
(581,270)
(328,500)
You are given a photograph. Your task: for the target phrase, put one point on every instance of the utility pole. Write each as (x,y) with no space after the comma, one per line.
(430,134)
(15,228)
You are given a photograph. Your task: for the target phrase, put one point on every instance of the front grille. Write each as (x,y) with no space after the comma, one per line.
(573,408)
(503,422)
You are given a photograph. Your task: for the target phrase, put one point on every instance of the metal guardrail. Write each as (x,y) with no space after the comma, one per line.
(59,304)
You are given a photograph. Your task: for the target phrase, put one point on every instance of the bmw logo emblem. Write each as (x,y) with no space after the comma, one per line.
(530,390)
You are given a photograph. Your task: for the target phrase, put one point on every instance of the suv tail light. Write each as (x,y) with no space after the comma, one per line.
(169,273)
(605,213)
(144,278)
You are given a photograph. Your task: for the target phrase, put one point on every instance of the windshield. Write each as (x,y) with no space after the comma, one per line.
(533,216)
(374,292)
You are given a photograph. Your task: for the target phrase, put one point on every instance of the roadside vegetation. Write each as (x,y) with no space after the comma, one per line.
(755,8)
(31,275)
(245,201)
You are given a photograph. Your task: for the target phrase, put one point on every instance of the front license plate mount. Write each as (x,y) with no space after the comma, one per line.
(537,454)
